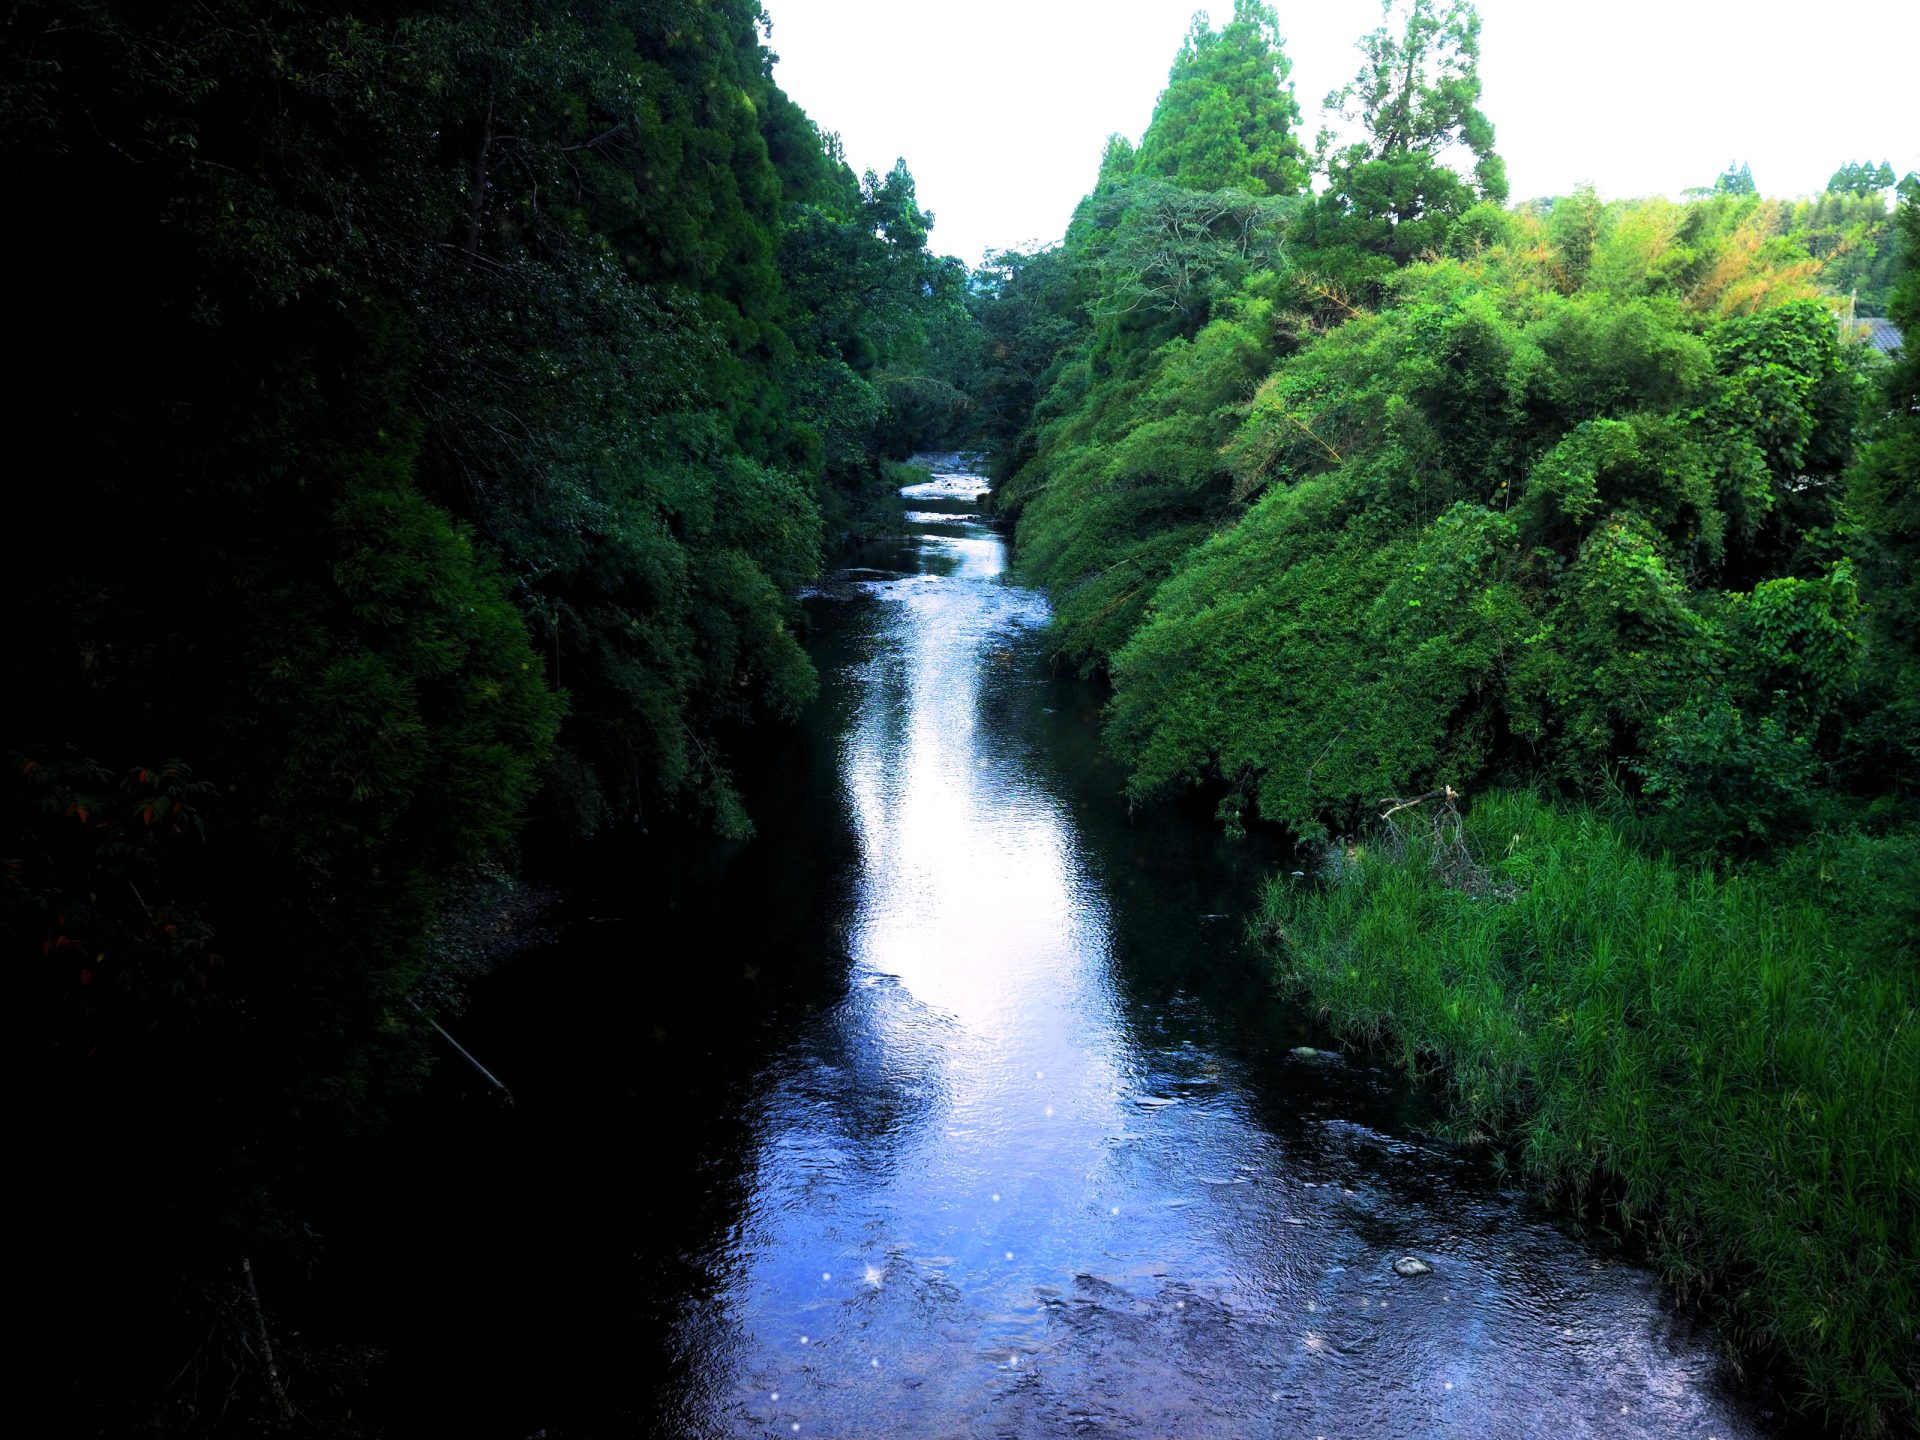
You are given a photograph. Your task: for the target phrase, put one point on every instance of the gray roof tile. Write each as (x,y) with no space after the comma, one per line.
(1882,335)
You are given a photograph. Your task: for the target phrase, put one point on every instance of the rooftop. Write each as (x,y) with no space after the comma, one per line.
(1882,335)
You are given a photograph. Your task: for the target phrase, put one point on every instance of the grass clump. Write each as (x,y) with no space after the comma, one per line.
(1731,1060)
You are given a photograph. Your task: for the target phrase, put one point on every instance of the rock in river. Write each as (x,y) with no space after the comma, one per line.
(1411,1265)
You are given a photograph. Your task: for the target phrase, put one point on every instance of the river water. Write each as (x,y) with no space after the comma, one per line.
(958,1106)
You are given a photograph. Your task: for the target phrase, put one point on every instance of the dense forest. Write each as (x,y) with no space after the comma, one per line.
(438,407)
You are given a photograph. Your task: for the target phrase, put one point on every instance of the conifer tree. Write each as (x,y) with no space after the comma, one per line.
(1226,119)
(1861,177)
(1415,97)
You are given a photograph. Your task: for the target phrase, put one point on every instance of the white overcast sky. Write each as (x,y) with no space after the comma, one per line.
(1000,107)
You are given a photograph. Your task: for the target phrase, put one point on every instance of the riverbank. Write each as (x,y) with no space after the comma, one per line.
(1733,1061)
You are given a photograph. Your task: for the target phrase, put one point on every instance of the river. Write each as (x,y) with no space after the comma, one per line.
(957,1105)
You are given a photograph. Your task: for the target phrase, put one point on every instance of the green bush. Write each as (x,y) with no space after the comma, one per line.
(1493,529)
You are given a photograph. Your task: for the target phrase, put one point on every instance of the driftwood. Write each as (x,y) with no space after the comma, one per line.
(1445,792)
(465,1054)
(1449,856)
(274,1382)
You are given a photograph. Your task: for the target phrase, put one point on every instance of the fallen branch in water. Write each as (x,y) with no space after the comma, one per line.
(464,1053)
(274,1382)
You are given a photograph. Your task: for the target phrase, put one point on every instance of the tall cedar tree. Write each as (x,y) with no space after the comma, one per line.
(1393,192)
(1227,118)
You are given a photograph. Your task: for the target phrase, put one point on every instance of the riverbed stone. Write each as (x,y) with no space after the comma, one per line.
(1409,1266)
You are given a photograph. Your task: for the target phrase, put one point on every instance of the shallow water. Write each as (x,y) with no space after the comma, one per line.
(957,1106)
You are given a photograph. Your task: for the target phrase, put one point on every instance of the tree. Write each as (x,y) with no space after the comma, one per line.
(1174,250)
(1861,177)
(1851,236)
(1736,180)
(1575,225)
(1226,119)
(1884,492)
(1416,96)
(1027,308)
(441,418)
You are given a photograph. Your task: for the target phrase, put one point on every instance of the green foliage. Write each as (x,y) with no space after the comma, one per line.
(1124,483)
(1735,180)
(1483,516)
(1861,177)
(1745,755)
(1392,193)
(443,399)
(1256,682)
(1176,253)
(1028,314)
(1883,495)
(1130,347)
(1227,117)
(1575,225)
(1632,410)
(1729,1062)
(1717,255)
(1798,641)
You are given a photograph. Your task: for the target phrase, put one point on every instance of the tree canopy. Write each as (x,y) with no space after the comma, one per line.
(1861,177)
(443,406)
(1617,436)
(1416,101)
(1227,118)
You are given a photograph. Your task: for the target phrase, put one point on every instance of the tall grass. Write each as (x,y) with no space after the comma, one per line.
(1731,1060)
